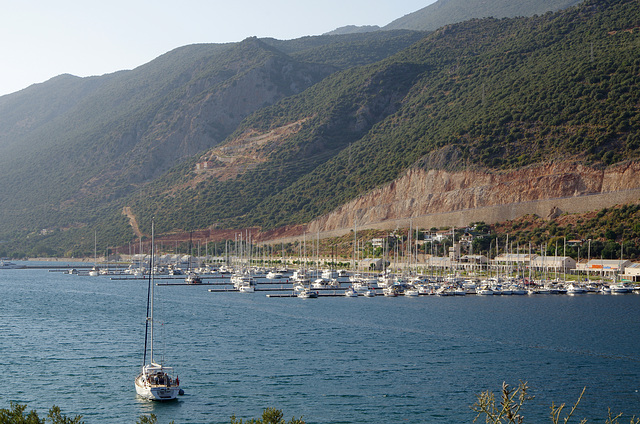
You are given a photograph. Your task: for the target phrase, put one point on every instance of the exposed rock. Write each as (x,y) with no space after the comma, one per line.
(430,191)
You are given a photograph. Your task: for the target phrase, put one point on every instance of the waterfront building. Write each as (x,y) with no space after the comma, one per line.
(605,267)
(553,263)
(631,273)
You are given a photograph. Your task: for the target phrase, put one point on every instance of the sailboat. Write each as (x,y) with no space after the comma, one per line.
(95,271)
(155,381)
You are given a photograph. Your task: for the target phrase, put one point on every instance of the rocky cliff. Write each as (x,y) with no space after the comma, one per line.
(421,192)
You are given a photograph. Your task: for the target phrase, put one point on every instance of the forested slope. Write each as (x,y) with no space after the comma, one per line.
(504,93)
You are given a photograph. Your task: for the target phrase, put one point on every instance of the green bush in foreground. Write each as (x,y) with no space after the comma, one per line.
(15,415)
(269,416)
(507,409)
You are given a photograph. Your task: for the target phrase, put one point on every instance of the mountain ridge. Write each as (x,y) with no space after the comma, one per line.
(445,12)
(291,131)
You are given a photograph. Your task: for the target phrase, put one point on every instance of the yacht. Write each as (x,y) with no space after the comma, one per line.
(575,289)
(244,283)
(484,291)
(273,275)
(619,288)
(350,292)
(193,278)
(247,288)
(390,291)
(320,283)
(307,294)
(411,292)
(370,292)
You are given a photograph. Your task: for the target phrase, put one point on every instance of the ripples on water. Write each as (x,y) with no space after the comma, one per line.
(77,342)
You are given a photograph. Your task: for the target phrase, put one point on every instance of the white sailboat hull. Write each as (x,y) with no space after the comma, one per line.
(151,389)
(156,393)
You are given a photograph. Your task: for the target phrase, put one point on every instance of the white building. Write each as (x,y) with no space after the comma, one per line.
(605,267)
(514,258)
(631,273)
(553,263)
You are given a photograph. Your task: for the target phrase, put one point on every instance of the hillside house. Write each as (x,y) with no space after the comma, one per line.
(201,166)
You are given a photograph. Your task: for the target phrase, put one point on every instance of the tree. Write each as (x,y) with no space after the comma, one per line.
(16,415)
(269,416)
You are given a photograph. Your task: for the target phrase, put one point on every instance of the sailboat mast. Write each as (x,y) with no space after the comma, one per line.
(152,271)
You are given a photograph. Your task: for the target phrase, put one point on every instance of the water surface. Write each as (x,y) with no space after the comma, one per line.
(77,342)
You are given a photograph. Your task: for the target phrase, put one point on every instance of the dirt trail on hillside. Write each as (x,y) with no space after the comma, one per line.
(132,221)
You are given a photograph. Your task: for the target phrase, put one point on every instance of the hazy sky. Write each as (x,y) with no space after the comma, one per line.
(40,39)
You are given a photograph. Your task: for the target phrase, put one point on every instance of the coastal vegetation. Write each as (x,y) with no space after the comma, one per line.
(507,409)
(16,414)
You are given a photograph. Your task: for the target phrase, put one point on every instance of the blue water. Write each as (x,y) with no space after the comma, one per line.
(77,342)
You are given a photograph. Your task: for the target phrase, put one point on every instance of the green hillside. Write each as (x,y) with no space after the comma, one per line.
(72,148)
(499,93)
(294,129)
(444,12)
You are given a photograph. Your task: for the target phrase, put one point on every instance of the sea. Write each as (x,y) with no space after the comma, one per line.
(77,342)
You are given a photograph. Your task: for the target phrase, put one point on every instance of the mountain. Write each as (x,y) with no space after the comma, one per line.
(445,12)
(486,95)
(326,130)
(71,147)
(354,29)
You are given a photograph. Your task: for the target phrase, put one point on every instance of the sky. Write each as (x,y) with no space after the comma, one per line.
(40,39)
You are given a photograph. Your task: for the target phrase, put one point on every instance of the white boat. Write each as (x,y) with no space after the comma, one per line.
(193,278)
(320,283)
(619,288)
(307,294)
(272,275)
(518,290)
(350,292)
(155,381)
(95,271)
(484,291)
(575,289)
(370,292)
(249,288)
(244,283)
(175,271)
(411,292)
(390,291)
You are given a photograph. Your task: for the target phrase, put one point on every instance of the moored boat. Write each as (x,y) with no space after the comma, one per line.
(155,381)
(307,294)
(350,292)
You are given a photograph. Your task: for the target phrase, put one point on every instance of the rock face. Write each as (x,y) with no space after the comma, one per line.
(422,192)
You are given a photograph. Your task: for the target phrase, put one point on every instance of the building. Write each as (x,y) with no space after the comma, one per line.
(200,166)
(605,267)
(474,259)
(553,263)
(514,259)
(631,273)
